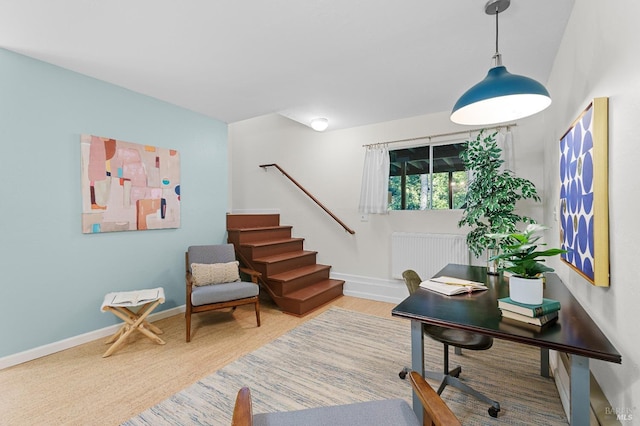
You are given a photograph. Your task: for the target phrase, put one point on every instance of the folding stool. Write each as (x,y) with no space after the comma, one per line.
(119,303)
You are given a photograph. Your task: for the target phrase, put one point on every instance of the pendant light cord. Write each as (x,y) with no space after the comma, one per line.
(497,58)
(497,13)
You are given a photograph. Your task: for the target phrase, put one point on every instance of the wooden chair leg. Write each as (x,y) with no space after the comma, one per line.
(187,316)
(257,304)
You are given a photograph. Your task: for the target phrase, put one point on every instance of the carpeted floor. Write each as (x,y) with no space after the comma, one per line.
(343,356)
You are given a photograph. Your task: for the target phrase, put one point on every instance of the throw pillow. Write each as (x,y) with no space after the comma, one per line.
(214,273)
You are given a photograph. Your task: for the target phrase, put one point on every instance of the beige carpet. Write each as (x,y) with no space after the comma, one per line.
(343,356)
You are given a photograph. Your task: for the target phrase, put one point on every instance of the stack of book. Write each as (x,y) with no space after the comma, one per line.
(539,315)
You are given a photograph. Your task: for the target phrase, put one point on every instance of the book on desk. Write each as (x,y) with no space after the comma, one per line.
(539,321)
(450,286)
(547,306)
(538,315)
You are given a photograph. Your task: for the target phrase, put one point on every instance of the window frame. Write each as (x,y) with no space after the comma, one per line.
(403,176)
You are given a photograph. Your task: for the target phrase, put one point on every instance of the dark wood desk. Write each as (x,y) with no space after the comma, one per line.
(575,333)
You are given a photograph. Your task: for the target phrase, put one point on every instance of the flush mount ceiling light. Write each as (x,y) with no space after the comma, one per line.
(501,96)
(319,124)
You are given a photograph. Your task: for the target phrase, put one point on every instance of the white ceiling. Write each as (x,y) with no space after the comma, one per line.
(355,62)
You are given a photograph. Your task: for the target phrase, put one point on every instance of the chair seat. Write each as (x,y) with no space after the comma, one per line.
(460,338)
(393,412)
(216,293)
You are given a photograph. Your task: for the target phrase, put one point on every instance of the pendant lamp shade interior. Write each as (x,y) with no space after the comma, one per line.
(501,96)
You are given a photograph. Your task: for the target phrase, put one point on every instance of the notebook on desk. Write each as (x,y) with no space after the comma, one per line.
(450,286)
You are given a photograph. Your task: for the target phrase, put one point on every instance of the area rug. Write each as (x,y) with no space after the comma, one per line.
(342,356)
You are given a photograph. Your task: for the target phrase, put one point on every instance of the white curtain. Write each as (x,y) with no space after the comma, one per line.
(505,142)
(374,194)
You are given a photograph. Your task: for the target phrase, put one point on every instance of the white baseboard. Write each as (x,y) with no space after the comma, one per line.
(392,291)
(51,348)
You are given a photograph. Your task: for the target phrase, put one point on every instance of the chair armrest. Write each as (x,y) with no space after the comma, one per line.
(188,279)
(436,412)
(242,411)
(252,273)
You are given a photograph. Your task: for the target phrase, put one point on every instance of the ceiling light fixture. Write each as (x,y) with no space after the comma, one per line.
(319,124)
(501,96)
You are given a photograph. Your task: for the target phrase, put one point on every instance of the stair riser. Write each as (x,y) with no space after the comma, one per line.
(282,288)
(263,251)
(253,235)
(235,221)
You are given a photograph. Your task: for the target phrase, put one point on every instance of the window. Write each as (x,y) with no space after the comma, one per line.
(418,183)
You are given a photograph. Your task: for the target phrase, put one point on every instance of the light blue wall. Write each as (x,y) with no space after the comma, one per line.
(52,277)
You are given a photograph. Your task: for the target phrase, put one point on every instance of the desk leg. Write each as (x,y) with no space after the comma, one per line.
(417,362)
(544,362)
(580,391)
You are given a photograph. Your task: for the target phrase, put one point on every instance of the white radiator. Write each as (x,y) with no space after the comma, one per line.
(426,253)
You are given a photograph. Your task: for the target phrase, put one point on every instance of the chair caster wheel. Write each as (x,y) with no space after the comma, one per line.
(493,411)
(456,372)
(403,374)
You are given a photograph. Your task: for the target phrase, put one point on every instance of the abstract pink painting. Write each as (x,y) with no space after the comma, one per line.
(128,186)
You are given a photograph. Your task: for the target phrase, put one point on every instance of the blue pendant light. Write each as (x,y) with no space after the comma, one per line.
(501,96)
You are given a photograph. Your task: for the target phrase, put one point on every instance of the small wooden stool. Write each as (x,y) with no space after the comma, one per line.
(120,303)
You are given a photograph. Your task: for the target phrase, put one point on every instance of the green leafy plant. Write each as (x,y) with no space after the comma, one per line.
(520,255)
(491,195)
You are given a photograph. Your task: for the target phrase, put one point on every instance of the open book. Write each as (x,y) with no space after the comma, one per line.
(134,298)
(451,286)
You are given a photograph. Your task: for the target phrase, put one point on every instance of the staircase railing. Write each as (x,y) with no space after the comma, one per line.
(346,228)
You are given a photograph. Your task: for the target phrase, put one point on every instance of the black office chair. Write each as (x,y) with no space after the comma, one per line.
(456,338)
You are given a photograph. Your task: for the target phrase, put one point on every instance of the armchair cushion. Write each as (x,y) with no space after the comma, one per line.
(208,294)
(214,273)
(392,412)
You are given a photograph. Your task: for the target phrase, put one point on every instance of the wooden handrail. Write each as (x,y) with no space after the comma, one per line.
(346,228)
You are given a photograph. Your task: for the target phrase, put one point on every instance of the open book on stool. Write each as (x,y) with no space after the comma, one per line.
(450,286)
(135,297)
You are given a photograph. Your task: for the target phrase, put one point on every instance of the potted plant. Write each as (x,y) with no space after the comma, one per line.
(520,256)
(491,197)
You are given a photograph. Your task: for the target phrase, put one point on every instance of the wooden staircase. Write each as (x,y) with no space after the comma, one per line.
(290,274)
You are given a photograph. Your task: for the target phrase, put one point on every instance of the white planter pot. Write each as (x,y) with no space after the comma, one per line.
(526,290)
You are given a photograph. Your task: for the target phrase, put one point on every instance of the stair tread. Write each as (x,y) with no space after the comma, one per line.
(270,242)
(314,289)
(261,228)
(299,272)
(284,256)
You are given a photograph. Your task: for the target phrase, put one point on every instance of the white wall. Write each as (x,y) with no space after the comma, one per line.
(599,58)
(329,165)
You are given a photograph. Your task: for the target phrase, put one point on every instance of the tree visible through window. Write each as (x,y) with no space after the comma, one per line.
(418,183)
